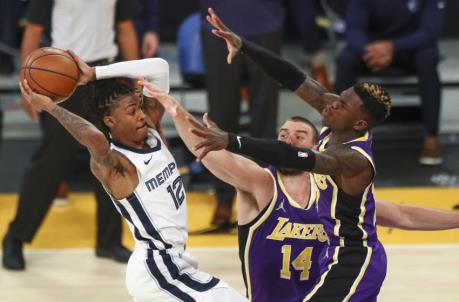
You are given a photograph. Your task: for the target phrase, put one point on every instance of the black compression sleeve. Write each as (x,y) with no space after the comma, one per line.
(282,71)
(272,151)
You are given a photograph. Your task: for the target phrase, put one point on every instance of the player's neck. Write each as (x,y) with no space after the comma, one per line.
(132,144)
(342,136)
(298,187)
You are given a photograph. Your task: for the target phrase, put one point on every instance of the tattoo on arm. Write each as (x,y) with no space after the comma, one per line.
(312,92)
(340,161)
(82,130)
(73,123)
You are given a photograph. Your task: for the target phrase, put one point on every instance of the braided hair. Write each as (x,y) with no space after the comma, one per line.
(105,95)
(376,101)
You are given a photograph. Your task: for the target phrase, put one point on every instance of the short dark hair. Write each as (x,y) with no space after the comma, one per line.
(104,96)
(376,102)
(301,119)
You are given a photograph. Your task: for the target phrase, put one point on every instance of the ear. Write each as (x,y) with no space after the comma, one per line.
(361,125)
(109,121)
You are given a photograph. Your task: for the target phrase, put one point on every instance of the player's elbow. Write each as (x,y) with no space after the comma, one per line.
(97,143)
(159,65)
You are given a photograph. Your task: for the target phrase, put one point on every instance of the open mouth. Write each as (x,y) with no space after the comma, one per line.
(142,127)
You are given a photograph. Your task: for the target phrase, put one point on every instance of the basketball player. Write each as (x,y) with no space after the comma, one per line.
(277,215)
(141,177)
(353,266)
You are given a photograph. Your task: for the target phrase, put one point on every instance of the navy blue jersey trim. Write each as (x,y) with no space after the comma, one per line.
(137,234)
(144,219)
(141,151)
(162,282)
(184,278)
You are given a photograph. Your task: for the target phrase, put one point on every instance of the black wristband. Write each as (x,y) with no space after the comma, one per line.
(281,70)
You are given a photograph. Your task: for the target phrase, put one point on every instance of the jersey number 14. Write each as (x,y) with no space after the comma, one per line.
(302,262)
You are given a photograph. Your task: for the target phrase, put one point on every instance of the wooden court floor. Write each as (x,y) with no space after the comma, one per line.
(61,266)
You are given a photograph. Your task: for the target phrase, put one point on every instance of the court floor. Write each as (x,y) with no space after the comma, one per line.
(61,266)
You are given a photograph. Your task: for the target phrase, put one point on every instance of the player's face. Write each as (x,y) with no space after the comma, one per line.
(297,134)
(342,112)
(128,121)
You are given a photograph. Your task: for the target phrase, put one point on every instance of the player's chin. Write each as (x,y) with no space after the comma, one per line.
(142,131)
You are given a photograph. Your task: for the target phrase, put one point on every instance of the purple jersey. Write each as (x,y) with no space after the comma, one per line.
(280,248)
(348,220)
(353,267)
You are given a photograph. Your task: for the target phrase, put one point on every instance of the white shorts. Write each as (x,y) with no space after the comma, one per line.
(173,276)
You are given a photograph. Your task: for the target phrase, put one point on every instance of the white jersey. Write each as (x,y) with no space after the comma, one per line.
(160,269)
(156,210)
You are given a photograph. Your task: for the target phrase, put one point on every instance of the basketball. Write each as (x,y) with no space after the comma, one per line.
(51,72)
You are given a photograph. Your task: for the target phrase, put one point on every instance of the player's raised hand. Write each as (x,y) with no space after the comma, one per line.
(38,101)
(214,138)
(87,73)
(169,102)
(233,41)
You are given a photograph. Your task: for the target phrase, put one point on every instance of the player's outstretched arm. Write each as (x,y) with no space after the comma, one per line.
(233,169)
(105,164)
(83,131)
(153,70)
(342,163)
(410,217)
(278,153)
(281,70)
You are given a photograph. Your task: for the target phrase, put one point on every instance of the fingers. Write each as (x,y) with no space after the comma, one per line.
(209,123)
(27,106)
(25,88)
(195,124)
(203,154)
(73,55)
(229,58)
(23,92)
(199,133)
(212,21)
(216,19)
(200,145)
(150,88)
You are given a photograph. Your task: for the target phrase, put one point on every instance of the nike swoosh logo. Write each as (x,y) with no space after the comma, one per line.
(146,162)
(239,141)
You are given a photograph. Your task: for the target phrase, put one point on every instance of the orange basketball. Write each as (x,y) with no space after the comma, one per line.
(51,71)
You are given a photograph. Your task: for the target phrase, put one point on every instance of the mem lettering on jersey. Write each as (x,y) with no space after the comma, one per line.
(161,177)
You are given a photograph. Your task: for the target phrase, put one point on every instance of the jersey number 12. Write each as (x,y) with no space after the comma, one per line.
(177,192)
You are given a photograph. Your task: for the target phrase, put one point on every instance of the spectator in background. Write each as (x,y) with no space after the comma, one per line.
(11,12)
(259,21)
(147,26)
(88,28)
(382,33)
(305,13)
